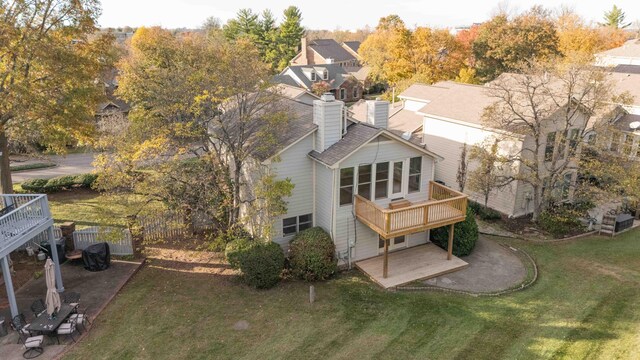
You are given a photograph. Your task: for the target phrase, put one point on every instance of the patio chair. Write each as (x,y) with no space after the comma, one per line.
(72,298)
(19,324)
(32,345)
(67,328)
(38,307)
(80,318)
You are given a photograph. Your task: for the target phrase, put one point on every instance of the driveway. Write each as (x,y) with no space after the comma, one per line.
(71,164)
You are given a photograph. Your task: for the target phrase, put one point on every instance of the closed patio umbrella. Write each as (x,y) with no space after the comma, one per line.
(53,298)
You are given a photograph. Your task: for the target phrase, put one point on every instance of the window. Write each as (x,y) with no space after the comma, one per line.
(566,185)
(325,75)
(382,180)
(573,141)
(313,76)
(397,177)
(364,181)
(343,93)
(346,186)
(398,240)
(355,92)
(296,224)
(562,145)
(550,145)
(628,144)
(615,143)
(415,170)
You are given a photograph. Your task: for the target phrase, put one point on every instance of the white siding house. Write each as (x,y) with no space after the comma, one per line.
(332,161)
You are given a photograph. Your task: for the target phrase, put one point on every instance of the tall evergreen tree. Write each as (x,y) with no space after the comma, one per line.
(615,18)
(291,31)
(246,24)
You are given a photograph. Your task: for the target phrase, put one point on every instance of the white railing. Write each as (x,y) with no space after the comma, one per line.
(24,214)
(40,238)
(119,240)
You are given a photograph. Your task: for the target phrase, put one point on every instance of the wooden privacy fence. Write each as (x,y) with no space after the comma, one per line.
(119,240)
(172,225)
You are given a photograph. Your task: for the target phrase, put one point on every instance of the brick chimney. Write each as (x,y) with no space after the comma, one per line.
(304,59)
(378,113)
(327,114)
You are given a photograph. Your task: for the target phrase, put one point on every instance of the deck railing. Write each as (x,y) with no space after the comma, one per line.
(20,215)
(444,207)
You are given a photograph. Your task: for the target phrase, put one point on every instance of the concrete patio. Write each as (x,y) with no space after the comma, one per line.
(96,290)
(407,265)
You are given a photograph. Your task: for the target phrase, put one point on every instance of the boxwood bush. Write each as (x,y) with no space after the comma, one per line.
(465,235)
(261,263)
(312,255)
(59,183)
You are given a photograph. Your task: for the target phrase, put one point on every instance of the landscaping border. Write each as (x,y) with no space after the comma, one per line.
(524,285)
(115,293)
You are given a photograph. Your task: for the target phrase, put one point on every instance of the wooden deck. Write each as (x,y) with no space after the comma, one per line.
(407,265)
(445,206)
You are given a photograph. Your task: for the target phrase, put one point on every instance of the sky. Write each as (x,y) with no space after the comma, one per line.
(330,15)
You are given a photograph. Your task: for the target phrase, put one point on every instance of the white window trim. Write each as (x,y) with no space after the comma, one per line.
(343,93)
(313,76)
(325,75)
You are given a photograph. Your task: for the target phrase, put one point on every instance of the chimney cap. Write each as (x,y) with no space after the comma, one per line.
(327,97)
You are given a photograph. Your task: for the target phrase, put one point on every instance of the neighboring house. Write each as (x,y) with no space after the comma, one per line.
(342,84)
(113,104)
(449,114)
(627,79)
(627,54)
(348,173)
(327,51)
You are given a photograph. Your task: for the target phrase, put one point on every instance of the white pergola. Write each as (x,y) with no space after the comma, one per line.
(22,218)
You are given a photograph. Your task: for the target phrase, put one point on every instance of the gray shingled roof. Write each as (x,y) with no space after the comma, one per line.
(627,69)
(357,135)
(623,122)
(299,125)
(353,45)
(330,49)
(285,79)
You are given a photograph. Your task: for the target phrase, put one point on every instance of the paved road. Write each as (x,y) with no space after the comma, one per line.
(70,164)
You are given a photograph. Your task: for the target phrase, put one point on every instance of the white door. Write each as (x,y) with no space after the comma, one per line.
(396,243)
(397,179)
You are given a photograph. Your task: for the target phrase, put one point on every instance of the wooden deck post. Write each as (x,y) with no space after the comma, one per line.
(450,247)
(385,266)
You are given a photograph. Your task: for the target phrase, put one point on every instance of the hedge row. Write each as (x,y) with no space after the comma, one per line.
(59,183)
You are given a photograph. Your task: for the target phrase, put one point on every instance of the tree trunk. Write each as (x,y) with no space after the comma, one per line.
(235,212)
(6,185)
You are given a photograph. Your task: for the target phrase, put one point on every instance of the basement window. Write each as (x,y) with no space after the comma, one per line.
(295,224)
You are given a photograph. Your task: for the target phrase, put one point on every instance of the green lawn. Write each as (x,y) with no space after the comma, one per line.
(586,304)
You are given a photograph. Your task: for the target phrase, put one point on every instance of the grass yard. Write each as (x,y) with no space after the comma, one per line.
(584,305)
(87,207)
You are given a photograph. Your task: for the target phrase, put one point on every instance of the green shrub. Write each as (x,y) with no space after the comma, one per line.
(59,183)
(312,255)
(234,249)
(85,180)
(34,185)
(465,235)
(560,220)
(484,213)
(261,264)
(223,238)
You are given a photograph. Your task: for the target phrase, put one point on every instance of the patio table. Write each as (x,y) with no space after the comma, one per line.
(43,324)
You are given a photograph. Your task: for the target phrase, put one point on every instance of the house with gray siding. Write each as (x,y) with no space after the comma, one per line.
(449,118)
(370,188)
